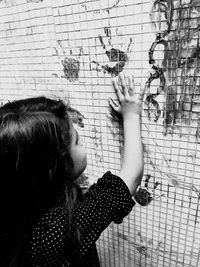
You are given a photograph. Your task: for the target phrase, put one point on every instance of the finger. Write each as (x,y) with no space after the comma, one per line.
(117,90)
(123,84)
(142,91)
(113,105)
(131,85)
(122,80)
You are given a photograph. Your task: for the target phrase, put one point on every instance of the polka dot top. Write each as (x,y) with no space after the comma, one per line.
(106,201)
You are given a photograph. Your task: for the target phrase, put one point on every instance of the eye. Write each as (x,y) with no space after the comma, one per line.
(77,138)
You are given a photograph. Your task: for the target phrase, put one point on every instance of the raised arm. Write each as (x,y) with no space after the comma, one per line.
(130,108)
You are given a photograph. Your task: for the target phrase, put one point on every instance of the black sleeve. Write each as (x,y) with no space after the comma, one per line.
(106,201)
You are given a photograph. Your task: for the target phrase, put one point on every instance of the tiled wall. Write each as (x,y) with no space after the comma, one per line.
(69,50)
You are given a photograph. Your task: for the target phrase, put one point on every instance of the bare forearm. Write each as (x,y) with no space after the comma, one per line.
(132,164)
(130,109)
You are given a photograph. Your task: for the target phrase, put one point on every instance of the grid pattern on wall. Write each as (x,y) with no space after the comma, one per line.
(70,50)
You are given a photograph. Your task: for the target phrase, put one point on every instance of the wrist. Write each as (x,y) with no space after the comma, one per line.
(131,117)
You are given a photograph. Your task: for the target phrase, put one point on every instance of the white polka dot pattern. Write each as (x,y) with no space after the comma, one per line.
(106,201)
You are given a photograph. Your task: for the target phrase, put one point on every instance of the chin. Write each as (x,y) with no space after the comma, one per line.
(83,169)
(80,169)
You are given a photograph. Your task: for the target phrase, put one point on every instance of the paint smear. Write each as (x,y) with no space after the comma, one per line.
(143,251)
(178,25)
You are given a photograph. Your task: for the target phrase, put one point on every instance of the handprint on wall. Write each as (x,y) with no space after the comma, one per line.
(71,68)
(70,61)
(117,58)
(145,195)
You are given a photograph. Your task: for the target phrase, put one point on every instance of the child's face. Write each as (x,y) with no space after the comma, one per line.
(78,154)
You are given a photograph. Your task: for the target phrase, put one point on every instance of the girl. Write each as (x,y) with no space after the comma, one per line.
(46,220)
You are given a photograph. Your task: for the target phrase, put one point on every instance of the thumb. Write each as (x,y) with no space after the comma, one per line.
(113,105)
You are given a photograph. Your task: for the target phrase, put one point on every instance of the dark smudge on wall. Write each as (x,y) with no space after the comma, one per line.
(71,68)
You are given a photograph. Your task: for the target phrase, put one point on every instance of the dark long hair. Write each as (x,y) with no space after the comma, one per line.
(35,169)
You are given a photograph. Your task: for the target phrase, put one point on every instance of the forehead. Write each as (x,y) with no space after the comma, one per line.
(75,116)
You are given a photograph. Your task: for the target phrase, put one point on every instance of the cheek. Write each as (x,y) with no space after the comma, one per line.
(79,158)
(82,155)
(82,160)
(79,154)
